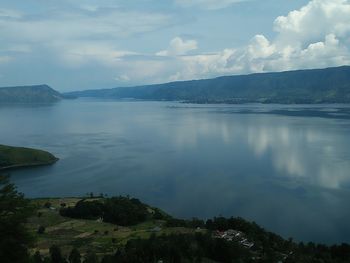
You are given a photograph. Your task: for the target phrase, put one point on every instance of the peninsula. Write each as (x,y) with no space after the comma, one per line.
(18,157)
(29,94)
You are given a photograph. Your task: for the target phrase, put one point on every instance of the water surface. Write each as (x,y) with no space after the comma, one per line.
(285,167)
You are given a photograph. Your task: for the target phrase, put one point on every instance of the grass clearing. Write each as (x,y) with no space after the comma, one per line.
(84,234)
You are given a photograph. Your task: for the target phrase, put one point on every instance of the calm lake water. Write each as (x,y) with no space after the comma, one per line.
(285,167)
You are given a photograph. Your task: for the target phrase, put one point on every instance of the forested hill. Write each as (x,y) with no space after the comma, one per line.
(29,94)
(330,85)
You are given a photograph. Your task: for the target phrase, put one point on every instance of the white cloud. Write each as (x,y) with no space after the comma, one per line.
(78,36)
(77,53)
(207,4)
(122,78)
(19,48)
(113,23)
(178,46)
(9,14)
(260,47)
(206,65)
(5,59)
(316,36)
(314,21)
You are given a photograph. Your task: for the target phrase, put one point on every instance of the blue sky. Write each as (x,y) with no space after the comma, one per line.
(75,45)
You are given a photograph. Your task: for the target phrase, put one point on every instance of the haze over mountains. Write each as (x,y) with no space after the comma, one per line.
(29,94)
(330,85)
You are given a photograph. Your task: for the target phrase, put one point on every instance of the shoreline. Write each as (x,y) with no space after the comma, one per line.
(30,165)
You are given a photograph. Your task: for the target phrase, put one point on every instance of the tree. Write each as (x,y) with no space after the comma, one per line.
(41,230)
(56,255)
(14,212)
(91,257)
(74,256)
(37,258)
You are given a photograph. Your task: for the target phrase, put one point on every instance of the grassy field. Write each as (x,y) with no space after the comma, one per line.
(102,238)
(14,157)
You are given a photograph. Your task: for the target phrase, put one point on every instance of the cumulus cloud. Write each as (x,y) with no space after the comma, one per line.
(314,21)
(315,36)
(204,65)
(178,46)
(207,4)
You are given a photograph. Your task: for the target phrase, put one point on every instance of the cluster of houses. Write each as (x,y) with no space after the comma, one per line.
(233,235)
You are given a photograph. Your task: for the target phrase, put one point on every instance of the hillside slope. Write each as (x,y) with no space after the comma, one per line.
(331,85)
(29,94)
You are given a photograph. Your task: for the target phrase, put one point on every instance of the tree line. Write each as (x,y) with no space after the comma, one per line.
(124,211)
(15,239)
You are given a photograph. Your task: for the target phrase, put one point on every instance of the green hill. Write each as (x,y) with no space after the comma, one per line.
(330,85)
(160,237)
(29,94)
(15,157)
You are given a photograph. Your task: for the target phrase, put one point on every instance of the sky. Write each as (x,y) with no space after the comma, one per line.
(92,44)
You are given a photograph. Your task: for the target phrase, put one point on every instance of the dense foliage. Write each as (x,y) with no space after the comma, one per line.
(302,86)
(199,247)
(268,247)
(120,210)
(14,212)
(195,246)
(180,248)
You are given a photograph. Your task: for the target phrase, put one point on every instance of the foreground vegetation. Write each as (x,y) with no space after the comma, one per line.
(16,157)
(97,229)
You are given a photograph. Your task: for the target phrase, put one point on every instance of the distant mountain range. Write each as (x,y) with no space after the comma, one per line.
(29,94)
(330,85)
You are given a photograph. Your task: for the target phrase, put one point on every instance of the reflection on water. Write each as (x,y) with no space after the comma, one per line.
(285,167)
(298,151)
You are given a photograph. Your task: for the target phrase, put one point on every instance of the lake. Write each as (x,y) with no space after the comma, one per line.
(285,167)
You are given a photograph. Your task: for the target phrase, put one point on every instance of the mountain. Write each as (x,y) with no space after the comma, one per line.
(330,85)
(29,94)
(16,157)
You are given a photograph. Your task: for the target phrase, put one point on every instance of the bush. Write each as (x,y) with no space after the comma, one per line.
(56,255)
(123,211)
(41,230)
(74,256)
